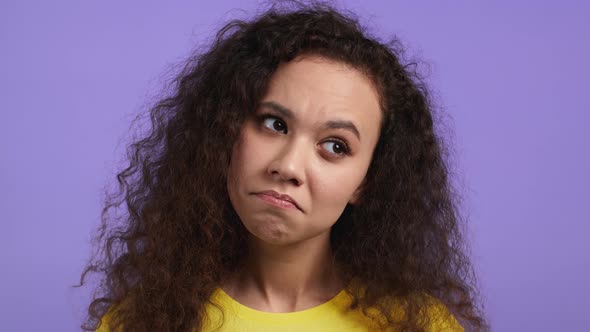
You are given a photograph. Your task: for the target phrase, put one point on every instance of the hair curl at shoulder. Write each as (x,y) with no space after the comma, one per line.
(180,236)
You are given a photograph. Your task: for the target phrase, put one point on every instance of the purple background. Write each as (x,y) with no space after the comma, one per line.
(513,78)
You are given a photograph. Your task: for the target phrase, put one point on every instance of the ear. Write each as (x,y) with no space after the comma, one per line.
(356,198)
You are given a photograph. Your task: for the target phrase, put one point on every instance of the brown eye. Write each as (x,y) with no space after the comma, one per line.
(274,123)
(338,147)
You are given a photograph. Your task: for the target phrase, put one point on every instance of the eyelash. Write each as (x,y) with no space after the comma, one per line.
(345,148)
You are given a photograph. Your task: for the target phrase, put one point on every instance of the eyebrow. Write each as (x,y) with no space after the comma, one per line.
(331,124)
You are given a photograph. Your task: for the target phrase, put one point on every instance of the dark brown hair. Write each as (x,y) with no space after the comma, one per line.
(180,237)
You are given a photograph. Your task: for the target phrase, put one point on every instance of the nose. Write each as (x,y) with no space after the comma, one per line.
(289,163)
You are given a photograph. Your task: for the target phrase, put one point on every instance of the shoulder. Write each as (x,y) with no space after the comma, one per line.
(106,321)
(434,315)
(440,318)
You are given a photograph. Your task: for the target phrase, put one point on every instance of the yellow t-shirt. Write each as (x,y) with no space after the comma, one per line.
(329,316)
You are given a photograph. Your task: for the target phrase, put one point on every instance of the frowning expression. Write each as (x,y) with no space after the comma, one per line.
(311,138)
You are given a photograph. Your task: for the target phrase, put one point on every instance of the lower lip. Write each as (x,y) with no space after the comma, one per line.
(276,201)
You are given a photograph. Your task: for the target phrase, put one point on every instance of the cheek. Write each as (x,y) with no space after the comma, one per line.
(332,192)
(247,157)
(334,189)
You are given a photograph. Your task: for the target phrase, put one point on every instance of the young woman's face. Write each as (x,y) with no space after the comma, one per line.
(311,138)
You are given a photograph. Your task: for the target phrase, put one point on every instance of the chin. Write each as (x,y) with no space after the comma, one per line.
(273,233)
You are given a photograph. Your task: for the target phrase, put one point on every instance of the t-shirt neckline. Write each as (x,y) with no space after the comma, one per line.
(282,317)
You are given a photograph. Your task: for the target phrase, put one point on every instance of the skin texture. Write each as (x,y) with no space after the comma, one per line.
(298,156)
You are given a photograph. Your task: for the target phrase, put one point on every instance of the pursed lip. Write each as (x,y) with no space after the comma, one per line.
(284,197)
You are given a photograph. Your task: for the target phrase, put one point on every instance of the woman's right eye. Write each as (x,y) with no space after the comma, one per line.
(274,123)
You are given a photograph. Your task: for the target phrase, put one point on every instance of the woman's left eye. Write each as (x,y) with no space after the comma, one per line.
(339,148)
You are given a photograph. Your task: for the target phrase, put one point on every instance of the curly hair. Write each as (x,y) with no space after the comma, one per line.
(180,236)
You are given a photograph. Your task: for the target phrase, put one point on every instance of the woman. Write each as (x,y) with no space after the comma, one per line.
(293,181)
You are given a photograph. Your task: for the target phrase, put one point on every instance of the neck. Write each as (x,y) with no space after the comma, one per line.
(287,277)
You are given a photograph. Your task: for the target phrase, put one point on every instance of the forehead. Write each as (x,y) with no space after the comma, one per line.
(316,90)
